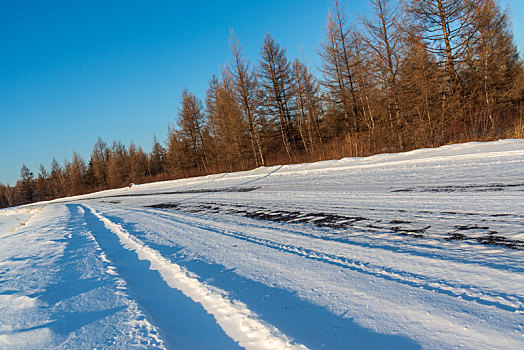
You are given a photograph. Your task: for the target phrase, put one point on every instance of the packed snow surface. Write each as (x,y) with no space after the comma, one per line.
(423,249)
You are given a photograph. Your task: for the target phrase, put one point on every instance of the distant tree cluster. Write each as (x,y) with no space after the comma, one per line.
(108,167)
(418,73)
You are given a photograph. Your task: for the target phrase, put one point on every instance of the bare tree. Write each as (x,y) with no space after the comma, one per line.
(228,127)
(57,180)
(191,124)
(137,163)
(494,71)
(5,196)
(245,86)
(213,121)
(42,185)
(447,27)
(384,38)
(117,169)
(309,107)
(276,82)
(98,163)
(77,176)
(420,78)
(156,158)
(25,186)
(338,67)
(365,80)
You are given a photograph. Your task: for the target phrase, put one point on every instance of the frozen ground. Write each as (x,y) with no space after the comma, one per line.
(423,249)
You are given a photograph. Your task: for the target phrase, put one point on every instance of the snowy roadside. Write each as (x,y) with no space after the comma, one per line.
(418,249)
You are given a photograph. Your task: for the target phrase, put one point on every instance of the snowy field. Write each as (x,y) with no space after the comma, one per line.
(423,249)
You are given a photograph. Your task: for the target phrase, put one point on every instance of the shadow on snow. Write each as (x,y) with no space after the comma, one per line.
(183,323)
(311,325)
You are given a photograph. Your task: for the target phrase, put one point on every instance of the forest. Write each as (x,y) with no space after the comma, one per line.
(416,73)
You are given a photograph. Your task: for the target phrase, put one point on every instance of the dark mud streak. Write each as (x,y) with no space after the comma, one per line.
(490,237)
(388,273)
(318,219)
(489,240)
(463,188)
(343,237)
(336,221)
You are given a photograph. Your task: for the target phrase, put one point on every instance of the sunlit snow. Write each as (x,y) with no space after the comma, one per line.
(423,249)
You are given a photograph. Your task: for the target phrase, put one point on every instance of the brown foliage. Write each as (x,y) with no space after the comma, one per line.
(429,73)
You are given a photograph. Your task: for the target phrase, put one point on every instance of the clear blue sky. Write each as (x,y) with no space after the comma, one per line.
(71,71)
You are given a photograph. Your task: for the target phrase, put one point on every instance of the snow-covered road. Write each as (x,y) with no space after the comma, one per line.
(423,249)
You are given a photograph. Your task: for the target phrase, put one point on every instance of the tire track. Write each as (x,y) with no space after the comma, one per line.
(232,316)
(503,301)
(422,247)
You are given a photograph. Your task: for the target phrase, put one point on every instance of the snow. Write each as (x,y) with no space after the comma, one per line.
(233,316)
(422,249)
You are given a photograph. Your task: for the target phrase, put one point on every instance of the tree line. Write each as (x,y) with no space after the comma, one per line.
(416,73)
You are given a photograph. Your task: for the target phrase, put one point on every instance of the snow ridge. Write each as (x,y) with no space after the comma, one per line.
(237,321)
